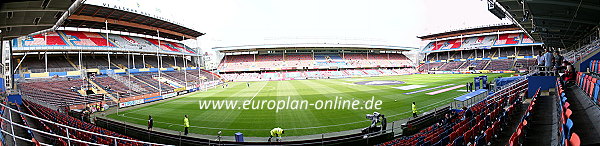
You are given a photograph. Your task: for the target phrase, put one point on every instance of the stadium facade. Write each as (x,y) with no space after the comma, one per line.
(81,58)
(91,56)
(312,61)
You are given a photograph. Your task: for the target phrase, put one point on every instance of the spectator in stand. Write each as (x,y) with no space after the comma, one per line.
(468,113)
(540,58)
(558,59)
(548,57)
(569,77)
(444,120)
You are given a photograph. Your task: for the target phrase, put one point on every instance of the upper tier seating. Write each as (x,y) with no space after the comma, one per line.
(95,39)
(315,74)
(295,57)
(257,62)
(130,43)
(163,45)
(51,38)
(86,38)
(328,57)
(508,39)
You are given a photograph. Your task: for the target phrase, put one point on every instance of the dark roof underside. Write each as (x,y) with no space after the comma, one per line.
(90,16)
(23,17)
(469,31)
(558,23)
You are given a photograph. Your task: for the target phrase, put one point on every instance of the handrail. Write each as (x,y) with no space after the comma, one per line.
(44,132)
(73,128)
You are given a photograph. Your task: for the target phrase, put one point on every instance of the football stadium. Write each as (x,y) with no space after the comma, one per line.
(115,72)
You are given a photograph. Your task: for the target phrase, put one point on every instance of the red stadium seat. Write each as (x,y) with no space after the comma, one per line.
(574,141)
(568,113)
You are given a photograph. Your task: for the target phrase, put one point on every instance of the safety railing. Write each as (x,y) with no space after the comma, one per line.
(69,130)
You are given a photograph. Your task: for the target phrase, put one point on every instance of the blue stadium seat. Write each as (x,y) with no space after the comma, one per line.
(445,140)
(568,127)
(459,141)
(480,141)
(439,143)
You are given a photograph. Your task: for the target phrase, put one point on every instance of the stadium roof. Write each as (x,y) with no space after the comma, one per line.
(558,23)
(311,46)
(470,31)
(23,17)
(92,16)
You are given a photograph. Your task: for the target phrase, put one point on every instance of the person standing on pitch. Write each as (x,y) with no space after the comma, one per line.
(276,132)
(467,86)
(186,124)
(150,123)
(414,110)
(471,86)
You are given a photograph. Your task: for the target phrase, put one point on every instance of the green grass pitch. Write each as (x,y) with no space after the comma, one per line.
(257,123)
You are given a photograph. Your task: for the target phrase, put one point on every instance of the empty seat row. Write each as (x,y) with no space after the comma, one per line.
(64,119)
(590,85)
(477,125)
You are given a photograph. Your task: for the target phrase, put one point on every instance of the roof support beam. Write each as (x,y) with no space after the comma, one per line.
(32,10)
(121,18)
(124,23)
(563,3)
(563,19)
(27,25)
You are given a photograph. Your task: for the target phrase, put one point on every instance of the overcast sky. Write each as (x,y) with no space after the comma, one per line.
(389,22)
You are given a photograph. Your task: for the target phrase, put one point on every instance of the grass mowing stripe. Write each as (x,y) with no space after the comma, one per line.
(396,106)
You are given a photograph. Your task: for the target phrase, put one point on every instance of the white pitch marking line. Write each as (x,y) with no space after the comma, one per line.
(258,91)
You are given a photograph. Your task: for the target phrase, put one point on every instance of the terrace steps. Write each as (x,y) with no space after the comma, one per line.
(170,82)
(462,65)
(128,83)
(73,64)
(490,56)
(134,77)
(110,40)
(116,65)
(487,64)
(102,91)
(64,36)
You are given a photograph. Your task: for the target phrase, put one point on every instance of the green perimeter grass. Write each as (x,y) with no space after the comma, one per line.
(257,123)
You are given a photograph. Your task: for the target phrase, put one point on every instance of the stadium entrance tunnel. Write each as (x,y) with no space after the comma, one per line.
(379,83)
